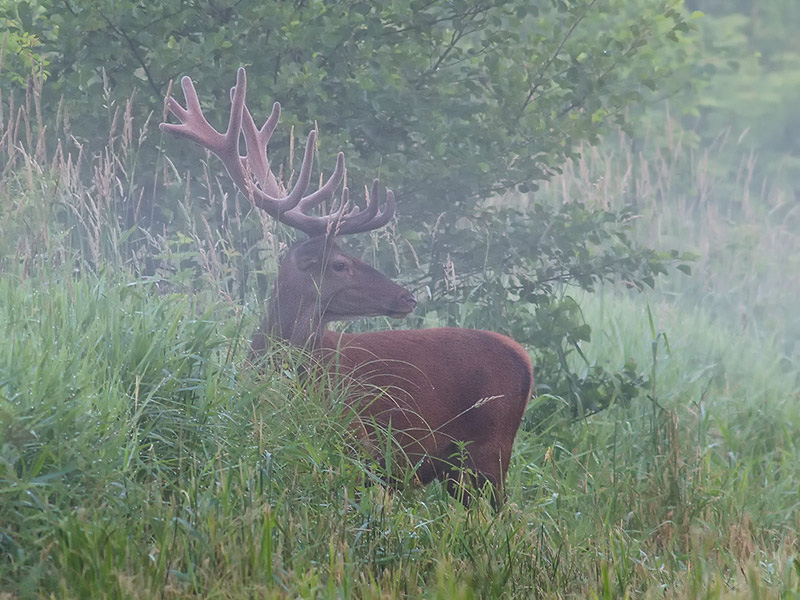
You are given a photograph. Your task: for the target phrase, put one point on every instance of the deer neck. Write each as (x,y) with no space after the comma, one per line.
(297,321)
(291,319)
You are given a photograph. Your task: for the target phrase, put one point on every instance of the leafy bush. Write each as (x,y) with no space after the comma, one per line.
(451,103)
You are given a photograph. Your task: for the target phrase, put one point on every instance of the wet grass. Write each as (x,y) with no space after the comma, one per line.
(138,459)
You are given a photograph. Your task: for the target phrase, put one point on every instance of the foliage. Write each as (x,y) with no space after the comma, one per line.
(20,49)
(452,100)
(742,70)
(754,91)
(451,103)
(448,101)
(137,461)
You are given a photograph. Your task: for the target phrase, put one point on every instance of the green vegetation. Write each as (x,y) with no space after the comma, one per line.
(140,459)
(450,103)
(137,461)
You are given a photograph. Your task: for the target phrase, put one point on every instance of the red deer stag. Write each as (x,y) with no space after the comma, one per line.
(452,398)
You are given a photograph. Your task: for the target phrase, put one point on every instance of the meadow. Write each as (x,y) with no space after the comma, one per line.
(139,459)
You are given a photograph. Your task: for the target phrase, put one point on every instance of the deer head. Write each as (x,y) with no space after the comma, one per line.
(317,282)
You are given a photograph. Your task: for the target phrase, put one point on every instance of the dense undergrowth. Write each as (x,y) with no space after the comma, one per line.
(138,458)
(138,461)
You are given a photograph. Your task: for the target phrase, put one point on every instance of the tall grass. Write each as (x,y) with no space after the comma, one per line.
(745,232)
(138,459)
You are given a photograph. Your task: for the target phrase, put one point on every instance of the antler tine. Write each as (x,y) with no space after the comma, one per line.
(292,208)
(372,200)
(327,191)
(341,222)
(335,219)
(357,217)
(257,141)
(369,219)
(194,126)
(311,224)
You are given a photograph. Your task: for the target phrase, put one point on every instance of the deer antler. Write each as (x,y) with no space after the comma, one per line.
(265,192)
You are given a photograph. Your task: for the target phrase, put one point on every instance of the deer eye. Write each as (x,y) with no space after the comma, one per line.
(339,266)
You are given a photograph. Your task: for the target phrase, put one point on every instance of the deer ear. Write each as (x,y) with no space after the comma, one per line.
(330,242)
(308,254)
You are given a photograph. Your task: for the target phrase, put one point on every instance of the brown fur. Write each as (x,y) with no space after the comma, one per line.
(439,389)
(452,398)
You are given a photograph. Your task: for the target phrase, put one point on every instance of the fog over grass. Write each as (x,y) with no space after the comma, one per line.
(139,459)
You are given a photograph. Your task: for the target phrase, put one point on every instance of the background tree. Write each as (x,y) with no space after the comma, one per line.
(453,104)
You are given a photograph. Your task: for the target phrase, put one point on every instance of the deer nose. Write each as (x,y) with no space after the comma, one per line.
(408,298)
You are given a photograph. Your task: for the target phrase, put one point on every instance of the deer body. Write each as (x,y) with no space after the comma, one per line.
(435,389)
(453,399)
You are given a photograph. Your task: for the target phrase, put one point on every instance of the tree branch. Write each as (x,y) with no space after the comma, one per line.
(550,60)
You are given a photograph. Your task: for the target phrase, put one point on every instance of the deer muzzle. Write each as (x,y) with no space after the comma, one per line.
(406,303)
